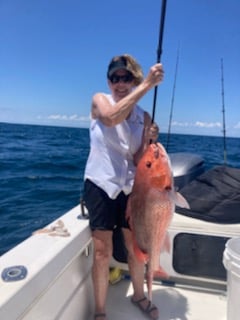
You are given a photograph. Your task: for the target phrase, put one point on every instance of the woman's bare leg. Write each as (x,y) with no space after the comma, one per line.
(137,271)
(102,241)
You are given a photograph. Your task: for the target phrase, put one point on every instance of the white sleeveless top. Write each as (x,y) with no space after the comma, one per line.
(110,161)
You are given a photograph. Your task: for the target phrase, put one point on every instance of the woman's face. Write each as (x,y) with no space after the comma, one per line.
(121,84)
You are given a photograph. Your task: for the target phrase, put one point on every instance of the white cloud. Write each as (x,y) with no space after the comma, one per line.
(181,124)
(56,117)
(208,124)
(73,117)
(198,124)
(64,117)
(237,126)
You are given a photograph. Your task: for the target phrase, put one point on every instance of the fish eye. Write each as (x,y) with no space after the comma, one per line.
(148,164)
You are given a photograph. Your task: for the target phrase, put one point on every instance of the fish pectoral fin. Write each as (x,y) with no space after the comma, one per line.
(141,256)
(180,201)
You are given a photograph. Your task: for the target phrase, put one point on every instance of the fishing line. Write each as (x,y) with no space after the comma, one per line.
(172,101)
(223,112)
(159,51)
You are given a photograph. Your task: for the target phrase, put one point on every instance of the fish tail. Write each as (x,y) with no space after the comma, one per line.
(161,273)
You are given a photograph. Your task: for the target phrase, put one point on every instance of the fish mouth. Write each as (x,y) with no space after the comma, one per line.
(159,150)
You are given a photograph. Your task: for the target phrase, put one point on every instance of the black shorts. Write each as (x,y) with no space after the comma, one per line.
(104,212)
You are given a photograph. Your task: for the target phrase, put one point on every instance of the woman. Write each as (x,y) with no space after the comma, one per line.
(120,132)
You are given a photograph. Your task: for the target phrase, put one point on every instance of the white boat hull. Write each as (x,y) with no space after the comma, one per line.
(58,282)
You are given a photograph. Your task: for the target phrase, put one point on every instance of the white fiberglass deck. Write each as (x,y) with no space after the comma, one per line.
(174,303)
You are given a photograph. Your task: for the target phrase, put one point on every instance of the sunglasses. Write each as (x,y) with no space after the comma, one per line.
(126,78)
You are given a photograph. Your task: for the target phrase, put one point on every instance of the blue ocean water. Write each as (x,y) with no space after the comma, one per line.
(41,172)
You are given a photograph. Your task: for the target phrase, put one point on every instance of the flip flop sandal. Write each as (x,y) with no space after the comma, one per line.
(148,309)
(99,315)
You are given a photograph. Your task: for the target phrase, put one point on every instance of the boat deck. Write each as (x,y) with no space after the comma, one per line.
(174,303)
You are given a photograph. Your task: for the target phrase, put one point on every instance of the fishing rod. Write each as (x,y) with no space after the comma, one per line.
(159,51)
(223,112)
(172,101)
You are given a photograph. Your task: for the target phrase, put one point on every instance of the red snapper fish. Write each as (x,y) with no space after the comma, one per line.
(150,209)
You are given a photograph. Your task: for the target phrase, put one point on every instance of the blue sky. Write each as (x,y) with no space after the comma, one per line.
(54,55)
